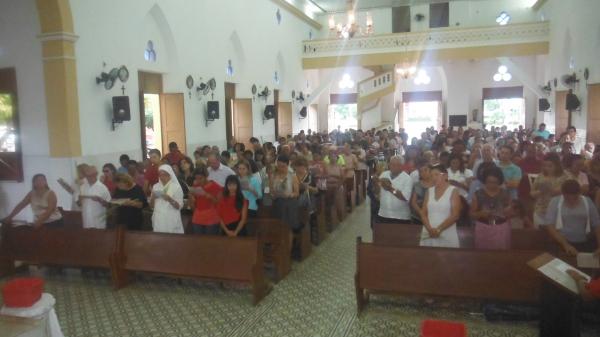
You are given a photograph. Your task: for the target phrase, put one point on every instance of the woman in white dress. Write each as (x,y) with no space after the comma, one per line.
(167,200)
(441,210)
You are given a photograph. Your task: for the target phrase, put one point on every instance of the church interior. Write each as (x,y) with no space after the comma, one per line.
(300,168)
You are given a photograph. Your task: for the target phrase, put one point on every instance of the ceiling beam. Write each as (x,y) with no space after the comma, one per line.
(538,4)
(298,13)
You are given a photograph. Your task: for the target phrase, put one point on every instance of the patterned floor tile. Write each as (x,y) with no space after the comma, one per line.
(315,300)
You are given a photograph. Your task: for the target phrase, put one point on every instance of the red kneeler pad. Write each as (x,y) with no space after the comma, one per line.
(22,292)
(432,328)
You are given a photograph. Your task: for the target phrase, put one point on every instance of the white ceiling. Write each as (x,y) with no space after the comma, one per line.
(341,5)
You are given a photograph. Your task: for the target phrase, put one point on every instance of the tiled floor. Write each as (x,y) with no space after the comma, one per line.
(316,299)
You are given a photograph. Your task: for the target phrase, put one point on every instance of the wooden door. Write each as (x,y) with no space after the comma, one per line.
(284,122)
(593,125)
(561,113)
(172,117)
(229,97)
(242,121)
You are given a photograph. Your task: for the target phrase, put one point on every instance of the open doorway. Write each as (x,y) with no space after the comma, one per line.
(509,112)
(342,117)
(418,116)
(152,124)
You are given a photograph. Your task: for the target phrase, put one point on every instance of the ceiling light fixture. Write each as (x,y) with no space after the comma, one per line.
(503,18)
(350,28)
(346,82)
(422,78)
(502,74)
(406,71)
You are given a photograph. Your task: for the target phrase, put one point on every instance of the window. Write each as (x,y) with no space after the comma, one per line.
(401,19)
(11,165)
(439,15)
(504,107)
(150,53)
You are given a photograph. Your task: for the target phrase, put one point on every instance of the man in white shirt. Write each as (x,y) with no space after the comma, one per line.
(218,172)
(395,188)
(94,199)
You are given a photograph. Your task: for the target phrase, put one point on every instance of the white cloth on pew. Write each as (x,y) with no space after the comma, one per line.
(166,218)
(437,212)
(390,206)
(42,309)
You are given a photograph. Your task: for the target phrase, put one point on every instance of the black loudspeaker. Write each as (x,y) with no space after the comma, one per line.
(121,108)
(303,112)
(269,112)
(212,110)
(543,104)
(572,102)
(457,120)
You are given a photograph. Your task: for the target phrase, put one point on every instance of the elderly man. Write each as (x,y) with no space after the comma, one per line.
(394,189)
(218,172)
(94,199)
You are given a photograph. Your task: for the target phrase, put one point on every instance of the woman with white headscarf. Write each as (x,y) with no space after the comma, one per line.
(167,200)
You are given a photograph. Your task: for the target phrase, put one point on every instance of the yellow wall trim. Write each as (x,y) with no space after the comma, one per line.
(298,13)
(481,52)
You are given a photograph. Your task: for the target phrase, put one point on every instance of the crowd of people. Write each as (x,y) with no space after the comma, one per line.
(448,177)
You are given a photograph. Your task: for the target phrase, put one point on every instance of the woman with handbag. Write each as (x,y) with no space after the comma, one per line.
(491,210)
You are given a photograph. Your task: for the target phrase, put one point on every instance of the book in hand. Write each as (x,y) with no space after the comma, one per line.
(556,270)
(119,202)
(588,261)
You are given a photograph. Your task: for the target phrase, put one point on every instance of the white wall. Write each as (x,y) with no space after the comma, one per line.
(191,38)
(20,48)
(574,34)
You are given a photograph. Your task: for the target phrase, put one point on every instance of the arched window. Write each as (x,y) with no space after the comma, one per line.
(150,53)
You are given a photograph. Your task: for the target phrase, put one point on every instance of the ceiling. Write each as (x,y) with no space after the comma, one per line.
(341,5)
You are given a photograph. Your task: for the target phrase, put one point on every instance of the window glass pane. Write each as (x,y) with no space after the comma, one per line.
(506,111)
(7,127)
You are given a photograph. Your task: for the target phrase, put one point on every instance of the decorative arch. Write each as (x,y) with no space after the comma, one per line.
(238,54)
(157,15)
(60,77)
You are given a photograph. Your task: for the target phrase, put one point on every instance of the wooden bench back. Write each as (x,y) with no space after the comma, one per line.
(390,234)
(212,257)
(59,246)
(492,275)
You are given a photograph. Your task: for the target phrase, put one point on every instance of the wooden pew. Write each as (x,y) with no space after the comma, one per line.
(303,238)
(72,219)
(274,237)
(69,247)
(332,206)
(361,187)
(390,234)
(207,257)
(463,273)
(350,189)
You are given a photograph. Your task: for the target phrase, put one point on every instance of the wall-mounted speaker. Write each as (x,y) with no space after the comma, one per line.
(543,104)
(572,102)
(269,112)
(212,110)
(121,109)
(303,113)
(457,120)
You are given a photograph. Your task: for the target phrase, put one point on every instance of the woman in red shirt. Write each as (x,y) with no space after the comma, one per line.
(233,208)
(203,199)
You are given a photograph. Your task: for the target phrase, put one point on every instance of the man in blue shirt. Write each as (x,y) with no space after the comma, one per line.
(542,132)
(512,173)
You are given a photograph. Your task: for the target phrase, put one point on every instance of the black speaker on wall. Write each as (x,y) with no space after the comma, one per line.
(572,102)
(212,110)
(303,112)
(543,104)
(457,120)
(269,112)
(121,109)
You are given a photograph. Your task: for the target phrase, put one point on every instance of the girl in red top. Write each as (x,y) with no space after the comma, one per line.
(203,199)
(233,208)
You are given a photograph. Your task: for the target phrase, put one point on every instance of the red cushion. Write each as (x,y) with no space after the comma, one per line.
(22,292)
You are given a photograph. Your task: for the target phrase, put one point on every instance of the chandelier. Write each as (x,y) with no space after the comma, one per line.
(350,28)
(406,71)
